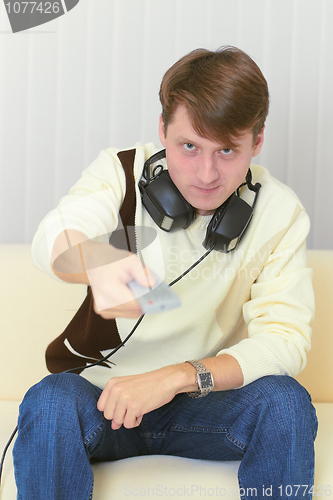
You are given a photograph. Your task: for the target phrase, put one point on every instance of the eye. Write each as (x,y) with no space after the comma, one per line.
(227,151)
(189,147)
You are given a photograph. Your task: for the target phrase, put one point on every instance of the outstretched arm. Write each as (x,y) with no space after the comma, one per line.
(108,270)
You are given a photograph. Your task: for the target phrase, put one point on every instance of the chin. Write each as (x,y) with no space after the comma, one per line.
(208,208)
(205,211)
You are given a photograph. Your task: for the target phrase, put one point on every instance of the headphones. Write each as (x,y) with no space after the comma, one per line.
(170,211)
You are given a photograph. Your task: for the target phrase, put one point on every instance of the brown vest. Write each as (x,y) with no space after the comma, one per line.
(88,333)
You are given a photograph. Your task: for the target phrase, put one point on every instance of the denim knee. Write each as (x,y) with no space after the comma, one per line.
(58,398)
(283,395)
(53,390)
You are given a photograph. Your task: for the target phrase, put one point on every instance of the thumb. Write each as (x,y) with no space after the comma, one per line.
(144,276)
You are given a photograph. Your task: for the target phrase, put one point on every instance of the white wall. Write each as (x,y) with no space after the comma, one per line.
(90,79)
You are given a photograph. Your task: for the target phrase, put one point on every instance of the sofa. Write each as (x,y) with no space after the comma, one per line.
(35,309)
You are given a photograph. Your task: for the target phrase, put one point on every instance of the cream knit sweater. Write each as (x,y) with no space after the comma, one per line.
(254,303)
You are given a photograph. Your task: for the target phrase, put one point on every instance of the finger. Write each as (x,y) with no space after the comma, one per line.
(102,401)
(107,400)
(115,426)
(119,415)
(132,421)
(144,276)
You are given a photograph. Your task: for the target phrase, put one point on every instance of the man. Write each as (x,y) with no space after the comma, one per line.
(214,106)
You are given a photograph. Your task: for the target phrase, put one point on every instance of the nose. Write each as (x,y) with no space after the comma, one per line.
(207,171)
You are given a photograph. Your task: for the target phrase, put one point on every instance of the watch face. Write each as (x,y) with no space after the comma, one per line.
(206,380)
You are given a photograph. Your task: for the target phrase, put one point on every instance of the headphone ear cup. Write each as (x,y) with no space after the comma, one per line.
(165,203)
(228,224)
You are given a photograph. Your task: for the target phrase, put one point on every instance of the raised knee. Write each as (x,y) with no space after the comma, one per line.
(52,391)
(285,391)
(288,400)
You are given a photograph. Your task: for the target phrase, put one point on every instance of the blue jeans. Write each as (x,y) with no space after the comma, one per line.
(270,425)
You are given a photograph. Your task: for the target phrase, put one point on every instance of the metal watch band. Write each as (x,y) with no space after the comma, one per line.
(201,369)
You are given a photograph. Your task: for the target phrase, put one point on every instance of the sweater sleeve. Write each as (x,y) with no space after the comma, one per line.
(279,311)
(91,207)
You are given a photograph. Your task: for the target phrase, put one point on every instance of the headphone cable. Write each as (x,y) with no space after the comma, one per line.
(108,356)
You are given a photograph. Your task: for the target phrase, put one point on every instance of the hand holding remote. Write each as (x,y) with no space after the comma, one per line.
(154,300)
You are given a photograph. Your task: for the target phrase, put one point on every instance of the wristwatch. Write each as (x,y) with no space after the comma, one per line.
(205,380)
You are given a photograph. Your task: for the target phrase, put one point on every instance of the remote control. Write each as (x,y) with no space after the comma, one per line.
(155,300)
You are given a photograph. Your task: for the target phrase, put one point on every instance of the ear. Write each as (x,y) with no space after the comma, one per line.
(258,144)
(161,131)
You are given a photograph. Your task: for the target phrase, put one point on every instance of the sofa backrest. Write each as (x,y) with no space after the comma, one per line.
(317,376)
(35,309)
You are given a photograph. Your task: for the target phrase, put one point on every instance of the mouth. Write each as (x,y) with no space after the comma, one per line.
(209,191)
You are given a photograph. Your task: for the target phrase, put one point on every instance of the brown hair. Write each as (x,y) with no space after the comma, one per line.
(224,93)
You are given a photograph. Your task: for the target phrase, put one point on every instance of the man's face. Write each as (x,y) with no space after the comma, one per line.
(205,172)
